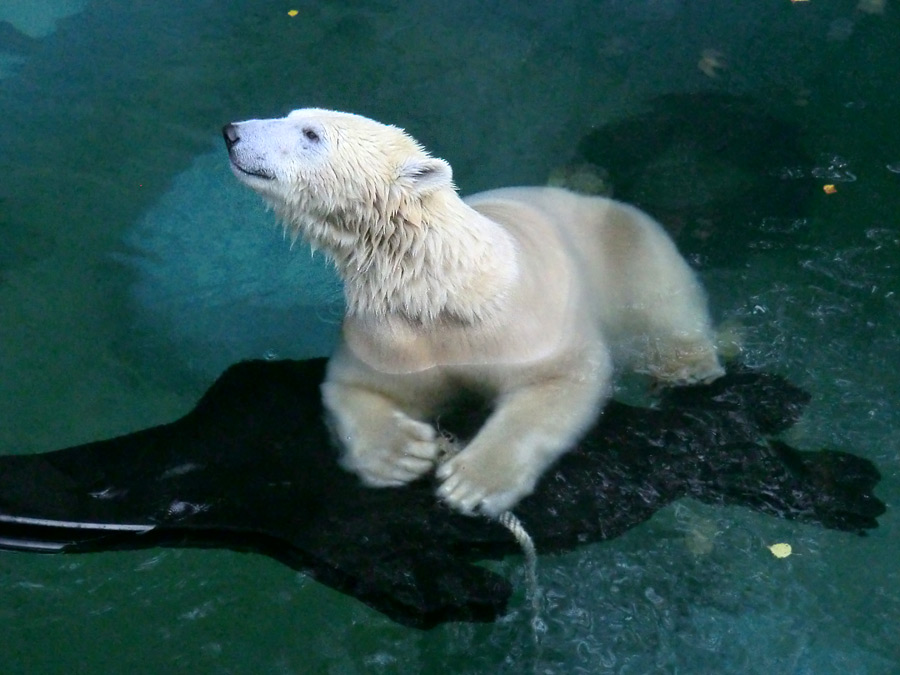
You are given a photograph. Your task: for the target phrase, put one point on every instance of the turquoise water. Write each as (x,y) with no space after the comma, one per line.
(133,269)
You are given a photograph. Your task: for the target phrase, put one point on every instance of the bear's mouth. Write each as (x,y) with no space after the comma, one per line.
(255,173)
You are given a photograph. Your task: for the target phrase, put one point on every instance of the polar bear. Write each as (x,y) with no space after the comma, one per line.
(526,295)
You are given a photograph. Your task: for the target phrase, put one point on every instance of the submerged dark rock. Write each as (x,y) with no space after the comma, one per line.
(252,468)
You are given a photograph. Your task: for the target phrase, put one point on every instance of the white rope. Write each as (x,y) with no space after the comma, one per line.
(449,447)
(509,520)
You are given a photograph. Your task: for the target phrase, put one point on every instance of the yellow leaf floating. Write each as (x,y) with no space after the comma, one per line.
(780,550)
(829,189)
(293,12)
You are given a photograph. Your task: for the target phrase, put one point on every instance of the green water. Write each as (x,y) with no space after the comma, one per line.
(133,269)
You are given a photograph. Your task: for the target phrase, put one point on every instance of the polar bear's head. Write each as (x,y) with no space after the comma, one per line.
(325,168)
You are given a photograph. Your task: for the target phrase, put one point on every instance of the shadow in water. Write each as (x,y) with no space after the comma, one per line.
(707,165)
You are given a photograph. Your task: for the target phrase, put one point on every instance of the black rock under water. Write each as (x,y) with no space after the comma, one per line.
(252,468)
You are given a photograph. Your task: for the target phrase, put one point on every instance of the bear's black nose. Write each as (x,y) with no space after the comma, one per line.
(230,134)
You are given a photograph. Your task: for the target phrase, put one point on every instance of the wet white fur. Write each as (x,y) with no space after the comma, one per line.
(527,295)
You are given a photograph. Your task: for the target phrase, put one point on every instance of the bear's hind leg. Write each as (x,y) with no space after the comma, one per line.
(681,360)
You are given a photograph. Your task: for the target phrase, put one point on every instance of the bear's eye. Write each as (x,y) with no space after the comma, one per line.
(310,135)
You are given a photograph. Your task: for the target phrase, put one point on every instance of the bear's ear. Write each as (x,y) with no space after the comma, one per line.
(426,174)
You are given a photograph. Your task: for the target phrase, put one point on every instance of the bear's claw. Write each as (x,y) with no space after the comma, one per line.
(482,483)
(404,450)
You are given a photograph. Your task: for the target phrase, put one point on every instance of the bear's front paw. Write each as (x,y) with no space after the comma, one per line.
(485,480)
(398,452)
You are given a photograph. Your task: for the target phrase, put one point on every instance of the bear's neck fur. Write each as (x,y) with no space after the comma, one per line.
(427,259)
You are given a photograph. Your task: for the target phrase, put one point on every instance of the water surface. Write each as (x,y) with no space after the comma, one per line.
(133,269)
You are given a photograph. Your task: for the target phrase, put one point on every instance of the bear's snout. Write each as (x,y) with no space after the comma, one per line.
(246,159)
(230,134)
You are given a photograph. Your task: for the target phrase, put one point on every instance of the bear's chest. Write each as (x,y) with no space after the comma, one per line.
(538,334)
